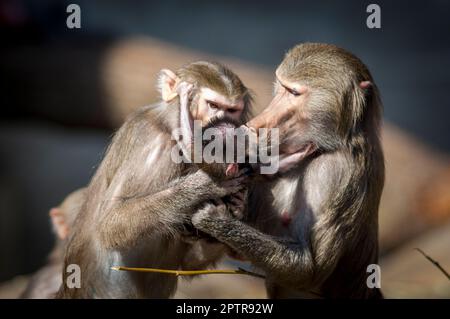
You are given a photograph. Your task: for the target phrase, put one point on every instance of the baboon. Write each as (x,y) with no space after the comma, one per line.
(139,200)
(315,223)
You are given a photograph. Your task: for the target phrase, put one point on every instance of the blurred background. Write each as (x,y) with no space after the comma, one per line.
(64,91)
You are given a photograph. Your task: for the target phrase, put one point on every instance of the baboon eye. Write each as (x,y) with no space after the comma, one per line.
(212,105)
(293,92)
(232,110)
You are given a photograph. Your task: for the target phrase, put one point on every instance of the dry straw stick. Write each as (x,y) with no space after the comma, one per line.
(434,262)
(238,271)
(177,273)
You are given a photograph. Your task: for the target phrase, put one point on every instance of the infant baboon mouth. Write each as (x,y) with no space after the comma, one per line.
(223,126)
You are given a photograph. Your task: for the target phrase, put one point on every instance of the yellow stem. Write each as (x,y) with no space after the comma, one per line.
(189,272)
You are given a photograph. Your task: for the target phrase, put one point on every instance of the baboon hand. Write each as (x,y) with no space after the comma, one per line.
(236,203)
(233,185)
(184,90)
(210,211)
(213,189)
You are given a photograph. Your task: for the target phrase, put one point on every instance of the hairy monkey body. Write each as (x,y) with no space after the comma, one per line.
(314,228)
(139,199)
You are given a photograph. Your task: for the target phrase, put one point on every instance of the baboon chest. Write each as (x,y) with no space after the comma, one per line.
(286,204)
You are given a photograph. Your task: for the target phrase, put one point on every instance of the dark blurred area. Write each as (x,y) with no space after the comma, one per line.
(64,91)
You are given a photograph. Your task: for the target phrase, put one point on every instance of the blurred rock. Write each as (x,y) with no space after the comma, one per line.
(413,172)
(406,273)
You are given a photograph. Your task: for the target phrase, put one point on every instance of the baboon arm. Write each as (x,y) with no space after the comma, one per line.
(283,260)
(127,221)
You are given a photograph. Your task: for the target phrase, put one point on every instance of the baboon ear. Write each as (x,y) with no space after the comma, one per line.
(59,222)
(167,81)
(365,84)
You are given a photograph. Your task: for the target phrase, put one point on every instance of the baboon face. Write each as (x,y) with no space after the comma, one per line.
(319,98)
(217,92)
